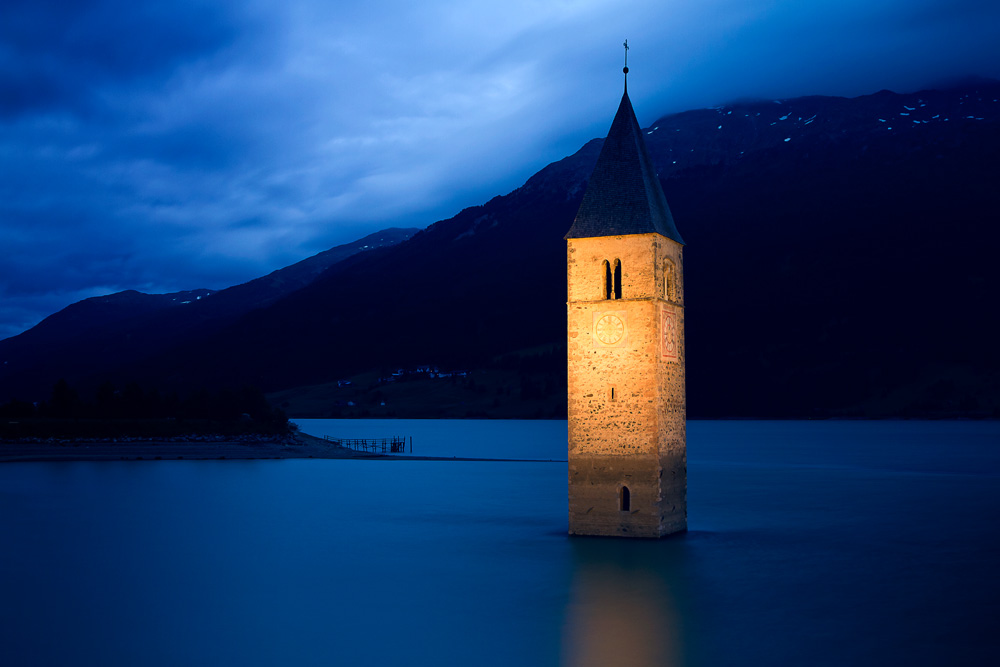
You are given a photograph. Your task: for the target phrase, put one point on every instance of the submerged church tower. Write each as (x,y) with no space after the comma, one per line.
(625,357)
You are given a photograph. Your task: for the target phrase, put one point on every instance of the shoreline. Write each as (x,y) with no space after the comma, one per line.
(298,446)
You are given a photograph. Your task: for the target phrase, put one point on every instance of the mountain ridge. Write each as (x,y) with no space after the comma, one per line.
(824,216)
(122,327)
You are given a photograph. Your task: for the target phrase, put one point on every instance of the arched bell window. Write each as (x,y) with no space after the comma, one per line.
(618,279)
(608,286)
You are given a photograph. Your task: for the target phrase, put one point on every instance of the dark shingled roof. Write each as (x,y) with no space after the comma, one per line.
(624,195)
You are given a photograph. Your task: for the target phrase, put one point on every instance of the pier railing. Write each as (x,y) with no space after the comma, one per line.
(395,445)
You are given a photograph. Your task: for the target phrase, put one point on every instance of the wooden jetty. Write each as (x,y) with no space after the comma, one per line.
(396,445)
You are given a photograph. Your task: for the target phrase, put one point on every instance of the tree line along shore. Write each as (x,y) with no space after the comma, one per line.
(132,423)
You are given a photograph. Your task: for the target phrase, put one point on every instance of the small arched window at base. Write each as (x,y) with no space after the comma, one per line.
(624,499)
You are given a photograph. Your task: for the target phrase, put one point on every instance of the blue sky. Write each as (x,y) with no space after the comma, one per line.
(165,146)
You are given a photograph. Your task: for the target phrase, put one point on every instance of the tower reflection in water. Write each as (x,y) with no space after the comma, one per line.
(626,603)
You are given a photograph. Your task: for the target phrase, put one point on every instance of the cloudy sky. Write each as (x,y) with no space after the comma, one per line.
(162,146)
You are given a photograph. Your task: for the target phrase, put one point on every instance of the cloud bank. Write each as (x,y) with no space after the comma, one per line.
(166,146)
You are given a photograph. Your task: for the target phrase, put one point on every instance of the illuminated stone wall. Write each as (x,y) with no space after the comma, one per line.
(626,387)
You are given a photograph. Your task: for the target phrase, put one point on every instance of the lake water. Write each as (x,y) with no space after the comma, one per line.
(810,543)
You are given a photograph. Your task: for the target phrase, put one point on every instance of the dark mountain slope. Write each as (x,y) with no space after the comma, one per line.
(839,262)
(844,271)
(869,275)
(459,293)
(94,337)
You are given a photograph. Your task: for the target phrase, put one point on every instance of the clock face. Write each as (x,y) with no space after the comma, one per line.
(610,329)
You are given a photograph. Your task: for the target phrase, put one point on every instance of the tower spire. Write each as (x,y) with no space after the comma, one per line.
(624,195)
(625,69)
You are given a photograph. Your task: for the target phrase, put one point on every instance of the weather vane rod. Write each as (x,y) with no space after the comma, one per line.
(625,69)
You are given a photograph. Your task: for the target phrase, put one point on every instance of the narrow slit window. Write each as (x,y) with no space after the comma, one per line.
(612,393)
(669,281)
(625,499)
(618,279)
(607,279)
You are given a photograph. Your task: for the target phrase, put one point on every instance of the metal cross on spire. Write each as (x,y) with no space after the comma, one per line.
(625,69)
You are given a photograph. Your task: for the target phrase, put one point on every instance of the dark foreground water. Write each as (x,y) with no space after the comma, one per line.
(821,543)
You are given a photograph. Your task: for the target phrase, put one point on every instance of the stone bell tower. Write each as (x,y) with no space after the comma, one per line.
(625,336)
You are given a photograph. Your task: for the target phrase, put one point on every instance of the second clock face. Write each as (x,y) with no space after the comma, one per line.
(670,334)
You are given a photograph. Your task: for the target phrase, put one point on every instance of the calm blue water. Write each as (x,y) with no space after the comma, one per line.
(811,543)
